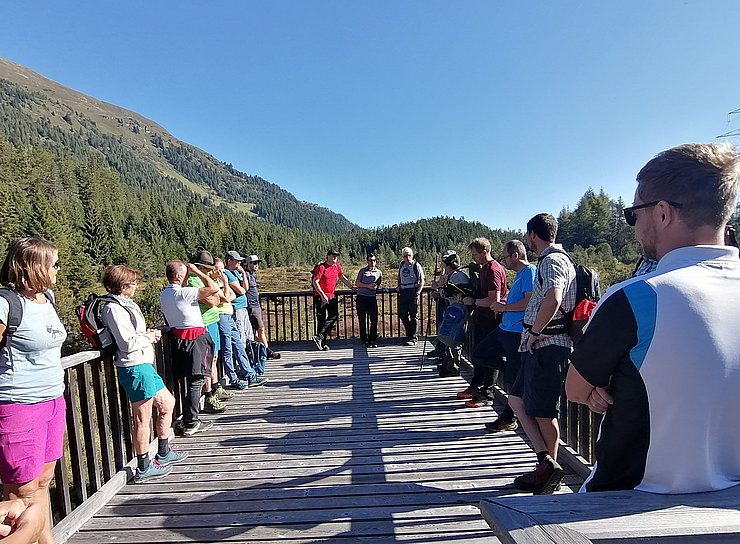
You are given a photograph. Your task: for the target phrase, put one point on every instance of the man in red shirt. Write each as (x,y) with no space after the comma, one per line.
(325,303)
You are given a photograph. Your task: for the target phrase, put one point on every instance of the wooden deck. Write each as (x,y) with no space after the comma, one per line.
(346,445)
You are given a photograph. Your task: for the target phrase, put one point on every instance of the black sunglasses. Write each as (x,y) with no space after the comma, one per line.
(631,217)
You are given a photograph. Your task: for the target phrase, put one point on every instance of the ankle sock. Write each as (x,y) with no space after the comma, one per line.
(163,446)
(142,460)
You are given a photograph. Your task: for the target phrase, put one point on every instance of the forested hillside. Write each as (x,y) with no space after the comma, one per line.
(35,110)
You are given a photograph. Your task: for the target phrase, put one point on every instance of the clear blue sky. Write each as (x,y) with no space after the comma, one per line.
(389,111)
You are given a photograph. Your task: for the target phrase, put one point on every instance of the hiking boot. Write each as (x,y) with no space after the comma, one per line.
(154,471)
(273,354)
(213,405)
(197,427)
(319,343)
(543,480)
(240,385)
(479,401)
(173,456)
(501,425)
(468,393)
(222,393)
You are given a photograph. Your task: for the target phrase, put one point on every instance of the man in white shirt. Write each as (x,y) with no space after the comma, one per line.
(661,353)
(192,346)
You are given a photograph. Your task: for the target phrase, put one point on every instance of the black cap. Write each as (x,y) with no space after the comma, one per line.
(332,251)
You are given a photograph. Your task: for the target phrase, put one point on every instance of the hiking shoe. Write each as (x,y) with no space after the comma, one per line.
(273,354)
(197,427)
(213,405)
(154,471)
(543,480)
(173,456)
(372,345)
(479,401)
(501,425)
(319,343)
(222,393)
(325,348)
(468,393)
(411,342)
(434,354)
(240,385)
(260,380)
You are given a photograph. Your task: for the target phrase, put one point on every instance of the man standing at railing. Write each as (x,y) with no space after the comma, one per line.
(661,353)
(239,284)
(410,285)
(254,306)
(192,346)
(325,303)
(367,284)
(544,348)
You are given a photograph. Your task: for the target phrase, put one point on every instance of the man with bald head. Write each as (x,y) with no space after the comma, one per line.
(661,353)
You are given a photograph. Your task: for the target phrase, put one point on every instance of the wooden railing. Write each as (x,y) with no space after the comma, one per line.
(98,443)
(289,315)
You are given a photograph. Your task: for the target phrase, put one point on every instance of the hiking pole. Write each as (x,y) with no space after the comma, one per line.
(429,315)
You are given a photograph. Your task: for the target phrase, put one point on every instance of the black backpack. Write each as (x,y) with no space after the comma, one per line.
(588,293)
(15,311)
(90,314)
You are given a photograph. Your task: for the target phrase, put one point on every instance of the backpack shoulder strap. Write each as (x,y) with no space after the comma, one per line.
(15,313)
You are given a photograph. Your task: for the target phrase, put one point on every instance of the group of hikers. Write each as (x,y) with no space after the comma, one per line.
(660,356)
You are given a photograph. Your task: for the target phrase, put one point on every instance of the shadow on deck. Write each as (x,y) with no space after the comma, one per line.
(349,445)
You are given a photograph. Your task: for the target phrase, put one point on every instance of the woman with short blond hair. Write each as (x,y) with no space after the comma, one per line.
(32,407)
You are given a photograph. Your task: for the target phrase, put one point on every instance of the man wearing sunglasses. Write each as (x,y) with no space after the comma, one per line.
(661,354)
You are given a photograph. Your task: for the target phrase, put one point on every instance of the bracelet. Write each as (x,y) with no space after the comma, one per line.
(535,334)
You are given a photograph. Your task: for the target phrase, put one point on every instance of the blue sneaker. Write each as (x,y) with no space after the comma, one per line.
(154,471)
(259,380)
(240,385)
(173,456)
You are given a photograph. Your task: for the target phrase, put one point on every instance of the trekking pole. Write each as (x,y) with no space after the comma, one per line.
(429,316)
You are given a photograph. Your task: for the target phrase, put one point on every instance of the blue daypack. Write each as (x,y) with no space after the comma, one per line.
(452,329)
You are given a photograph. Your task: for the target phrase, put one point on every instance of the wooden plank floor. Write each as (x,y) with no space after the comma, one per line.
(345,446)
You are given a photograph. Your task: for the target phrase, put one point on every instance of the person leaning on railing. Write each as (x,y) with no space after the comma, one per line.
(134,361)
(32,406)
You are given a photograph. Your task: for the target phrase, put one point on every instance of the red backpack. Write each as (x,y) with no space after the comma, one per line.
(90,314)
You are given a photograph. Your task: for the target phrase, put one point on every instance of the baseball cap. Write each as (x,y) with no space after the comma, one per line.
(204,259)
(234,255)
(253,259)
(332,251)
(450,258)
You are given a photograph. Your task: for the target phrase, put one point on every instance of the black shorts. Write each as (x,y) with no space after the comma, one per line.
(540,381)
(255,317)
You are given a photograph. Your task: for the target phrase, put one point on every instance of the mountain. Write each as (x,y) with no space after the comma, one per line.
(57,115)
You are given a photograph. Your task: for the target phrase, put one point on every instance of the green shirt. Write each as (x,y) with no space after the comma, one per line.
(210,315)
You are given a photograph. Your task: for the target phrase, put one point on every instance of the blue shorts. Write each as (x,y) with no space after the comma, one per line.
(213,331)
(141,382)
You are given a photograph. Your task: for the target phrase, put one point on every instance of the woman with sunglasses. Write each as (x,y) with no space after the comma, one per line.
(32,407)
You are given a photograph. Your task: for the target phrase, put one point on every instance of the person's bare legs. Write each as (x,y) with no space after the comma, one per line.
(261,336)
(142,412)
(36,492)
(529,424)
(550,433)
(164,402)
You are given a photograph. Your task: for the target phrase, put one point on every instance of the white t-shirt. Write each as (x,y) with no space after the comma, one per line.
(180,306)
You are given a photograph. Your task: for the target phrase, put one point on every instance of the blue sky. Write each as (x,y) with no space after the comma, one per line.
(389,111)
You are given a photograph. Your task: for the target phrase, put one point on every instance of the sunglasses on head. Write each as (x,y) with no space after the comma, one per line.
(631,217)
